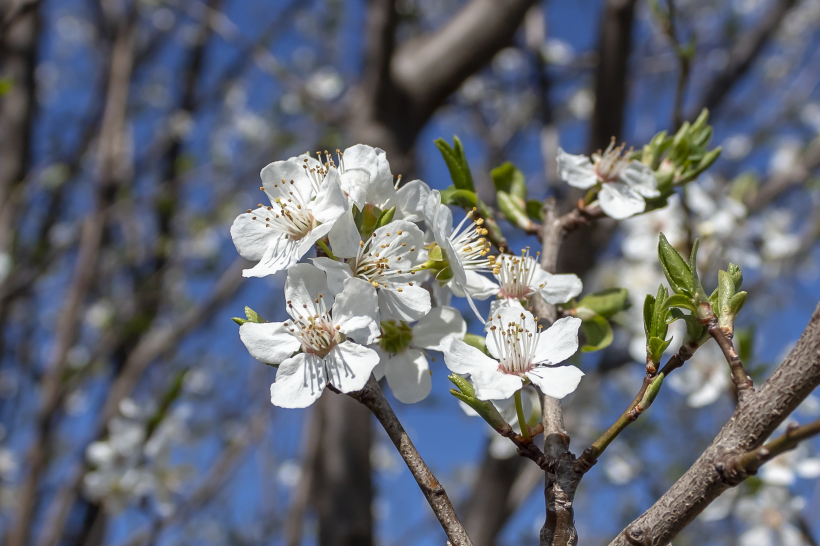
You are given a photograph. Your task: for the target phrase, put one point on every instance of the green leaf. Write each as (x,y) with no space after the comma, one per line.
(479,342)
(239,321)
(737,275)
(648,313)
(253,316)
(460,198)
(736,303)
(535,210)
(679,300)
(606,302)
(659,314)
(456,163)
(597,332)
(385,218)
(509,179)
(513,210)
(675,268)
(656,346)
(694,329)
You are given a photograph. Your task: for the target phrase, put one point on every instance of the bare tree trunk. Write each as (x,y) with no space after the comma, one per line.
(343,495)
(614,47)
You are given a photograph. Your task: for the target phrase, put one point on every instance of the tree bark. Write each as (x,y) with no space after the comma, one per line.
(755,419)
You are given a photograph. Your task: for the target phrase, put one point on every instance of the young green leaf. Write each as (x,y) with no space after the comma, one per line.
(509,179)
(460,198)
(513,210)
(385,218)
(606,302)
(675,268)
(456,163)
(597,332)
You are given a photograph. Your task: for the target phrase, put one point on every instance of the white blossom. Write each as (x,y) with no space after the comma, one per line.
(386,260)
(306,200)
(330,330)
(521,277)
(466,250)
(367,181)
(402,351)
(520,354)
(624,184)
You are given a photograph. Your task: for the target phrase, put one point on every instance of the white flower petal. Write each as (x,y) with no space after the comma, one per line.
(403,302)
(344,236)
(304,284)
(501,318)
(354,183)
(269,342)
(462,358)
(480,286)
(305,244)
(349,366)
(408,375)
(619,201)
(557,288)
(281,253)
(438,217)
(330,202)
(299,382)
(576,170)
(641,179)
(558,342)
(356,311)
(557,381)
(291,169)
(410,200)
(379,370)
(337,273)
(439,324)
(250,236)
(494,385)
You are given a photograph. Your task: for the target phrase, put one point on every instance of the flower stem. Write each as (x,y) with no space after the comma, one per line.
(324,247)
(522,422)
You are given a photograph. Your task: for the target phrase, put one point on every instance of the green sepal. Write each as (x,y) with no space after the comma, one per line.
(444,275)
(456,163)
(239,321)
(509,179)
(597,333)
(436,254)
(461,198)
(605,303)
(479,342)
(385,218)
(253,316)
(513,210)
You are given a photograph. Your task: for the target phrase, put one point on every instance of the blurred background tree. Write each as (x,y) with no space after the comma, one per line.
(132,133)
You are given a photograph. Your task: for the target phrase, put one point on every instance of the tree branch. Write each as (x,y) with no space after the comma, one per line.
(755,418)
(743,54)
(373,397)
(739,376)
(749,462)
(429,68)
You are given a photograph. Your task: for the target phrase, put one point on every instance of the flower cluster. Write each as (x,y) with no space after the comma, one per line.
(363,304)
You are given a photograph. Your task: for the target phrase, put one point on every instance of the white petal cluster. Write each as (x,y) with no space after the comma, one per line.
(623,184)
(363,305)
(521,354)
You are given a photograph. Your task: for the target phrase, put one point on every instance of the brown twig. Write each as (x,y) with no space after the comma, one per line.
(739,376)
(748,463)
(373,397)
